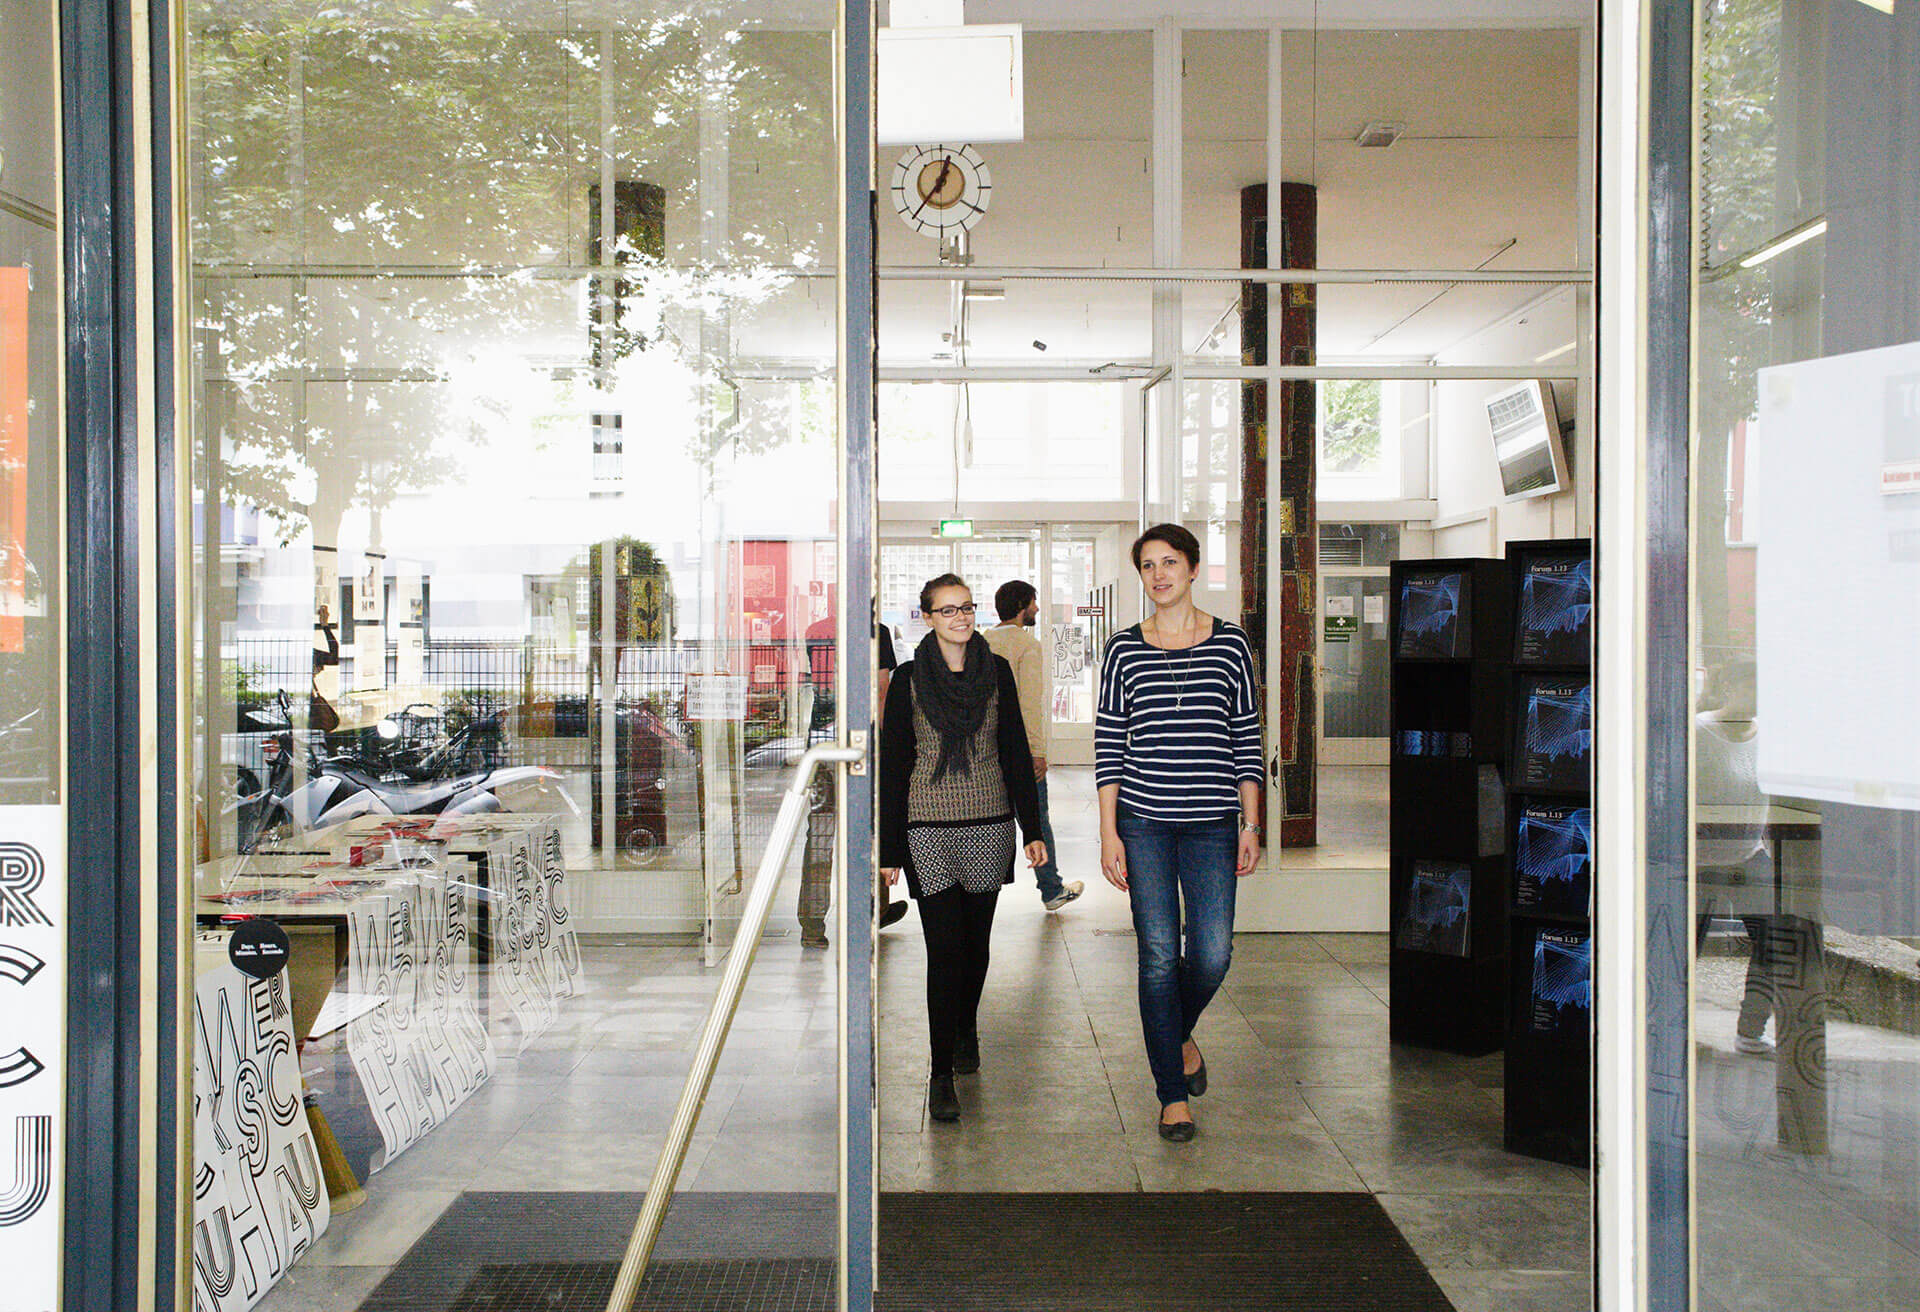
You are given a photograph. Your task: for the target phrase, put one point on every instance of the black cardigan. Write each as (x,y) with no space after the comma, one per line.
(897,746)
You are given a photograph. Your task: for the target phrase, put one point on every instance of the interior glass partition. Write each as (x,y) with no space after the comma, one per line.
(515,591)
(1806,774)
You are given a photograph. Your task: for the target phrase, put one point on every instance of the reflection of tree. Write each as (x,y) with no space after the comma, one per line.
(440,152)
(1350,426)
(1740,71)
(643,600)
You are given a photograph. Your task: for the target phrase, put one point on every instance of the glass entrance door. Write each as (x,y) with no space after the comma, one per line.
(517,593)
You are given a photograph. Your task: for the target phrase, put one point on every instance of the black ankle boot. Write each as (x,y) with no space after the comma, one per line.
(943,1104)
(966,1055)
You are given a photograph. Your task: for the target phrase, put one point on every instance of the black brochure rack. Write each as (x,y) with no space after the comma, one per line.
(1550,847)
(1451,627)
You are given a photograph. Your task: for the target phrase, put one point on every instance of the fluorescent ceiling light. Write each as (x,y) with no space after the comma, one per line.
(1793,238)
(1558,350)
(1884,6)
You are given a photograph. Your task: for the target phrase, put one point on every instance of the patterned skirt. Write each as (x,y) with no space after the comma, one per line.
(975,856)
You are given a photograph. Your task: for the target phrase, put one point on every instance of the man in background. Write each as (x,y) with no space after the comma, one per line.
(1019,607)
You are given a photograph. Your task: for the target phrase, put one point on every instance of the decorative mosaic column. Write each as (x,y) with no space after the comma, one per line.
(1288,583)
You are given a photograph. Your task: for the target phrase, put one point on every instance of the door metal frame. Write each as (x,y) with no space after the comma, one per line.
(1642,909)
(856,853)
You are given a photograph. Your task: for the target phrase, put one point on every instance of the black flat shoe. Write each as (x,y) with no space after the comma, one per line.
(966,1055)
(1197,1081)
(894,913)
(1177,1131)
(943,1104)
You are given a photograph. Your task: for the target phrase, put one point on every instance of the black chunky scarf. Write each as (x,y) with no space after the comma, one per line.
(955,701)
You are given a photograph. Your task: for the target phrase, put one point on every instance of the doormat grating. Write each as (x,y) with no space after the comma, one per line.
(789,1285)
(967,1252)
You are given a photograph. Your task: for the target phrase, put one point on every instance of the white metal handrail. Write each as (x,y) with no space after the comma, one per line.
(713,1036)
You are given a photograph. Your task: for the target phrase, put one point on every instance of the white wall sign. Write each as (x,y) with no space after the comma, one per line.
(716,697)
(33,1015)
(1837,596)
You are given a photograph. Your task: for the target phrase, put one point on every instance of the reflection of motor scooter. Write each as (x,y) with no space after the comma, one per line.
(338,790)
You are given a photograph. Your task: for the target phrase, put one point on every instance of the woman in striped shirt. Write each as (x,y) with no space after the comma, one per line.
(1178,761)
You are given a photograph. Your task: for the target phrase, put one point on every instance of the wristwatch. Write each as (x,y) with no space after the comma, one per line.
(1249,826)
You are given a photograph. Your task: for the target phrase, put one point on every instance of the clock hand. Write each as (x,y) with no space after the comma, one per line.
(940,179)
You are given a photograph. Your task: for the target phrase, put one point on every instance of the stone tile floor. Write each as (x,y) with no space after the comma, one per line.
(1307,1094)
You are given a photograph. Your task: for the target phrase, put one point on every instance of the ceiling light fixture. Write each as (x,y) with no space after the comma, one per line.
(1558,350)
(1785,242)
(1884,6)
(1379,134)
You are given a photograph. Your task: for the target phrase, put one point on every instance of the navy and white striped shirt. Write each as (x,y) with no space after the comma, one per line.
(1178,730)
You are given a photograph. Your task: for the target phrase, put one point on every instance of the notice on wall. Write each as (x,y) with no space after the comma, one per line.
(1838,528)
(1374,608)
(716,697)
(33,1024)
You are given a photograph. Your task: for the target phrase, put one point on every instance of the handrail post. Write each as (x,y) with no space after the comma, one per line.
(713,1035)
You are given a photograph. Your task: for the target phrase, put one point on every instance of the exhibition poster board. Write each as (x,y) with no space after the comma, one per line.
(33,1043)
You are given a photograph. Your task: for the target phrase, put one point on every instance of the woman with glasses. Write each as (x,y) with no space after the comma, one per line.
(955,774)
(1176,743)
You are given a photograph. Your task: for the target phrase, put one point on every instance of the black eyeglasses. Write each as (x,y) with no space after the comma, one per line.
(948,612)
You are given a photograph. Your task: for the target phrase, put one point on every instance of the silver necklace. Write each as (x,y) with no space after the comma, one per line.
(1179,678)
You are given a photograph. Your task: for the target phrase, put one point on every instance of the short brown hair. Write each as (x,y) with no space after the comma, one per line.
(1174,536)
(1013,597)
(936,583)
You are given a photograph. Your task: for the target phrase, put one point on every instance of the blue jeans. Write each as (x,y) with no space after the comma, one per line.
(1167,861)
(1047,875)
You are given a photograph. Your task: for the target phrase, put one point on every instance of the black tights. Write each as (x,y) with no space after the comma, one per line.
(957,925)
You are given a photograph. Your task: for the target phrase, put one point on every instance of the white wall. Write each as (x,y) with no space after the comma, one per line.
(1473,517)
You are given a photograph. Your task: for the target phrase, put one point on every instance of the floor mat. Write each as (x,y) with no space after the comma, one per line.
(1147,1253)
(1128,1252)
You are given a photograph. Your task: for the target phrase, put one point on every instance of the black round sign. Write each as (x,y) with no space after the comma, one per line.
(259,948)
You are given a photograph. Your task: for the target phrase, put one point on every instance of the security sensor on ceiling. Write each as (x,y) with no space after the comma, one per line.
(1378,134)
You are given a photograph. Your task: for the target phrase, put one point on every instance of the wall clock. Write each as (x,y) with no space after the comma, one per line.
(941,190)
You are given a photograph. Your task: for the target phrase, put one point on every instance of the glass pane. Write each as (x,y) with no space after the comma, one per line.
(986,563)
(904,568)
(1208,478)
(1224,146)
(514,478)
(1806,733)
(1434,150)
(1072,192)
(1079,621)
(1009,441)
(30,420)
(1355,658)
(1052,322)
(1359,545)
